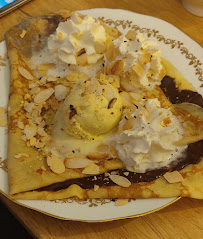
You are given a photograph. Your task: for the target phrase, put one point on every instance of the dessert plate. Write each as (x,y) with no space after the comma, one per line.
(178,48)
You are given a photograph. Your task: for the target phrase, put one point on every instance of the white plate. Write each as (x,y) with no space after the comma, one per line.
(176,47)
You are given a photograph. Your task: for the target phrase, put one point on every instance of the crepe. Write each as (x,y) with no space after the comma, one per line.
(30,177)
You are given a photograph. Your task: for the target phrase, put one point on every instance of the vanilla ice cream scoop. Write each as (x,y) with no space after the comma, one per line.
(91,109)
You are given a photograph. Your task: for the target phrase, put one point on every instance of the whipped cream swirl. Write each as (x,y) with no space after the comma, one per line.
(78,33)
(150,142)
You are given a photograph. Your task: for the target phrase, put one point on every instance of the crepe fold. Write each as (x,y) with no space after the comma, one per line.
(29,174)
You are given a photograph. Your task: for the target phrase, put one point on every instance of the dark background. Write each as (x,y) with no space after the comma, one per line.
(10,227)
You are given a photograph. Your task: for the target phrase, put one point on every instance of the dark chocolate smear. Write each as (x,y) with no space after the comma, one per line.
(192,155)
(175,96)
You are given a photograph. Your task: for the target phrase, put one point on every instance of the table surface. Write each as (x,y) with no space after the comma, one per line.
(182,219)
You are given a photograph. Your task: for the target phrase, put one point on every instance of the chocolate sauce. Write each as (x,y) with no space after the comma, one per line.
(192,155)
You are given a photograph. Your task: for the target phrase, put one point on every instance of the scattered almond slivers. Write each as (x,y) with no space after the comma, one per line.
(60,92)
(120,180)
(173,177)
(55,164)
(97,156)
(121,202)
(25,73)
(22,35)
(43,95)
(91,169)
(77,162)
(96,187)
(3,117)
(21,155)
(131,35)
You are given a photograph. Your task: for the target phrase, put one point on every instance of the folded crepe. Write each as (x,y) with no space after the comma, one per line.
(32,176)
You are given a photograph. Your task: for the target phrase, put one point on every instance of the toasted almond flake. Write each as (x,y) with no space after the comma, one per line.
(144,58)
(3,117)
(38,120)
(173,177)
(43,80)
(111,52)
(112,103)
(99,47)
(32,85)
(113,152)
(40,144)
(106,174)
(34,90)
(41,131)
(60,92)
(43,168)
(23,33)
(82,59)
(20,125)
(139,69)
(126,173)
(30,131)
(103,148)
(19,155)
(91,169)
(120,180)
(96,187)
(128,124)
(27,96)
(33,141)
(107,92)
(121,202)
(77,162)
(113,173)
(56,164)
(116,68)
(29,106)
(51,78)
(23,137)
(43,95)
(131,35)
(97,156)
(126,99)
(25,73)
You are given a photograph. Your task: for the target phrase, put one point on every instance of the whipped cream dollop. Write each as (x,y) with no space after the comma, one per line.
(149,143)
(142,53)
(75,36)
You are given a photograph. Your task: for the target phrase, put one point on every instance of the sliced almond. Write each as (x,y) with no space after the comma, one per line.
(120,180)
(96,187)
(39,144)
(131,35)
(19,155)
(103,148)
(33,141)
(112,103)
(43,95)
(30,131)
(173,177)
(111,52)
(99,47)
(51,78)
(60,92)
(116,68)
(77,162)
(33,85)
(144,58)
(43,68)
(113,152)
(139,69)
(97,156)
(55,164)
(43,80)
(91,169)
(128,125)
(20,125)
(29,107)
(34,90)
(22,35)
(23,137)
(82,59)
(126,99)
(25,73)
(121,202)
(41,131)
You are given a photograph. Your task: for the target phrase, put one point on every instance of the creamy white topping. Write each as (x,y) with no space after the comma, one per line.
(150,142)
(74,35)
(130,51)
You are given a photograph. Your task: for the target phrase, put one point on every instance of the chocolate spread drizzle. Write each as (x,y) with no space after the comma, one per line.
(192,155)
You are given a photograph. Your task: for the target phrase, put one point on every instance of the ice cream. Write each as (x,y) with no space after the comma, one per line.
(91,109)
(147,137)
